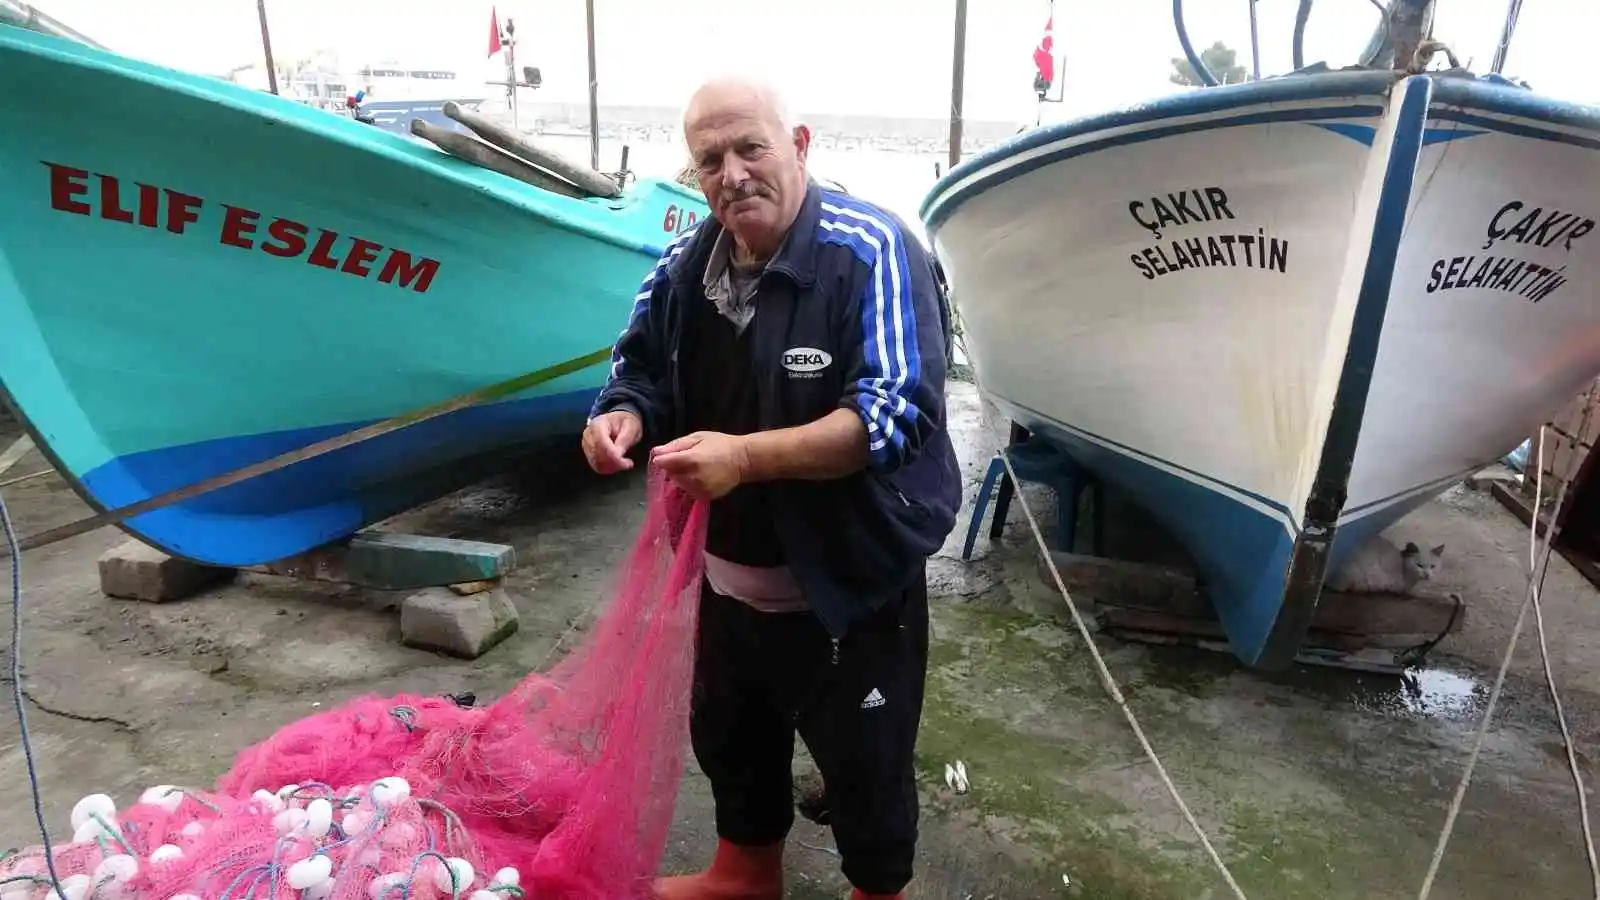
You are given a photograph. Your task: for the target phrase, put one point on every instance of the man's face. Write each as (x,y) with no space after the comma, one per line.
(750,169)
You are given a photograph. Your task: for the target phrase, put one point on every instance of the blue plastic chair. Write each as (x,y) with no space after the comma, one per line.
(1041,462)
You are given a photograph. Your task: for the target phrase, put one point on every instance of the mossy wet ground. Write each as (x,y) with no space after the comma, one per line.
(1293,807)
(1311,784)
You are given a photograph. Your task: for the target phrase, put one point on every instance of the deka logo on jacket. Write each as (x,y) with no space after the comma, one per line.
(806,362)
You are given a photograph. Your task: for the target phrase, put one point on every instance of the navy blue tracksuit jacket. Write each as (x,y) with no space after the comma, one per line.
(849,314)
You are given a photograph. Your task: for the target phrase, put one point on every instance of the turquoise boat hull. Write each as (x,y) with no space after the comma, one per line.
(195,276)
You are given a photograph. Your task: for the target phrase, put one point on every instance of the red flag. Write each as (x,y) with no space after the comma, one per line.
(494,32)
(1043,59)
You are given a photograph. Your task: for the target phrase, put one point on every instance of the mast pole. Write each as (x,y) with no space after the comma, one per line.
(266,46)
(1255,45)
(594,95)
(957,81)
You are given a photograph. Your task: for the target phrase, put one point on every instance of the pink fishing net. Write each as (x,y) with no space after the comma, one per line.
(563,788)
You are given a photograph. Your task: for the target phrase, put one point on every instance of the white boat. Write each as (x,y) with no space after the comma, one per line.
(1283,314)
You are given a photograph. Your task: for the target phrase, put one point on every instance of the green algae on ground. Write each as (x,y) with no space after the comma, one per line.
(1022,779)
(1057,777)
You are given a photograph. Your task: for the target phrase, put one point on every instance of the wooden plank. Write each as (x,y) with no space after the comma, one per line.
(18,449)
(1171,592)
(1120,582)
(1376,660)
(1522,508)
(1117,619)
(394,562)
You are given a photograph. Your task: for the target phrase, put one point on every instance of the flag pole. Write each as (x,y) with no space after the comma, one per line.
(958,67)
(511,70)
(594,95)
(266,46)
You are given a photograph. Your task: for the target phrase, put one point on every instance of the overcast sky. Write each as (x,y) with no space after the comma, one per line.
(836,56)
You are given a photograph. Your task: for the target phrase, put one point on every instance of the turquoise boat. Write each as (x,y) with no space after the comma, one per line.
(196,277)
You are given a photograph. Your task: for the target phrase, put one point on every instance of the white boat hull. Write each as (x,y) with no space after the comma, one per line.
(1274,312)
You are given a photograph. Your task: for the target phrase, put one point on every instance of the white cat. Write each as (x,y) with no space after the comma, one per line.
(1379,567)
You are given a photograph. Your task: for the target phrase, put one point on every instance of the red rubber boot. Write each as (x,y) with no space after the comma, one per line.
(856,894)
(736,873)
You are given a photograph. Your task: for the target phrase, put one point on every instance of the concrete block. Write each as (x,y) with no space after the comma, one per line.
(439,619)
(134,570)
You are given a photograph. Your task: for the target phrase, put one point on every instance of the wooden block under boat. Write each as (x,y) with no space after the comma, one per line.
(1161,598)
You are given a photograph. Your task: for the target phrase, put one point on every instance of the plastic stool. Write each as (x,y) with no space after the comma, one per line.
(1040,462)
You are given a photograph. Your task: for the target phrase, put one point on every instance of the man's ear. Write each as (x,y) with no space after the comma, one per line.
(802,142)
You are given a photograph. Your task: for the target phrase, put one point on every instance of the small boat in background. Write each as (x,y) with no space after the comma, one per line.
(1282,314)
(196,277)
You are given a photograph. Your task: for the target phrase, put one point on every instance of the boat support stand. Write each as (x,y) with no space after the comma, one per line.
(1044,463)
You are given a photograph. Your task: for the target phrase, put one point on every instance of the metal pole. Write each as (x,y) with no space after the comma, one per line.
(511,71)
(1255,45)
(266,46)
(1504,47)
(958,68)
(594,97)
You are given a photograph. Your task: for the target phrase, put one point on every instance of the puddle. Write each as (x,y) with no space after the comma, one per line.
(1423,693)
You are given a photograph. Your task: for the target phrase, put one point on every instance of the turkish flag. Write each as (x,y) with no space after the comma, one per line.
(1043,59)
(494,32)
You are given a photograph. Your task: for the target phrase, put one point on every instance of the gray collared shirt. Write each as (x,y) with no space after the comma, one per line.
(731,288)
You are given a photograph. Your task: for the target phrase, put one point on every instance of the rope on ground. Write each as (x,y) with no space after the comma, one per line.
(17,694)
(1111,684)
(1529,599)
(1094,649)
(28,477)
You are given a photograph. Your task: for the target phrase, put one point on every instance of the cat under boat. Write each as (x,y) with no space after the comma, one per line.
(1281,315)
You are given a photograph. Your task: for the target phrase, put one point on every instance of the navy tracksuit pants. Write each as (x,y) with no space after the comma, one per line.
(761,677)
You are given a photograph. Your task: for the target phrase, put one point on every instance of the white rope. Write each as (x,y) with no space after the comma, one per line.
(1549,674)
(1088,639)
(1111,684)
(1529,599)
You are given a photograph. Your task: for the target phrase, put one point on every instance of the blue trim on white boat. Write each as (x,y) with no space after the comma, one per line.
(1242,551)
(1366,134)
(1363,91)
(323,498)
(1263,505)
(1354,513)
(944,206)
(1372,298)
(1308,563)
(1486,96)
(1518,129)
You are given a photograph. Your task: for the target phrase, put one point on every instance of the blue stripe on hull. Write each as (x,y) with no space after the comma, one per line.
(1242,553)
(325,498)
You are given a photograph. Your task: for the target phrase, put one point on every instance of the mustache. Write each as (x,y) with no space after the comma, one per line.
(744,191)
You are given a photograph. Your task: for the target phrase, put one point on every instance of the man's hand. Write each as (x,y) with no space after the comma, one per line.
(609,437)
(706,464)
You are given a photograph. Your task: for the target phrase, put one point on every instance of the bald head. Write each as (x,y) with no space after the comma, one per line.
(728,91)
(749,156)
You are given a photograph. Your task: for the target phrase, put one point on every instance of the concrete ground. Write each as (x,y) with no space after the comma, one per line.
(1314,783)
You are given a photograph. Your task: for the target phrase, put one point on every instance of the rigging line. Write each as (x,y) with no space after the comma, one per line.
(1544,656)
(1106,679)
(1458,800)
(1111,686)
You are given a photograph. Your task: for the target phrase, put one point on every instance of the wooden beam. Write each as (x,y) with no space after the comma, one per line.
(596,183)
(469,148)
(396,562)
(1145,596)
